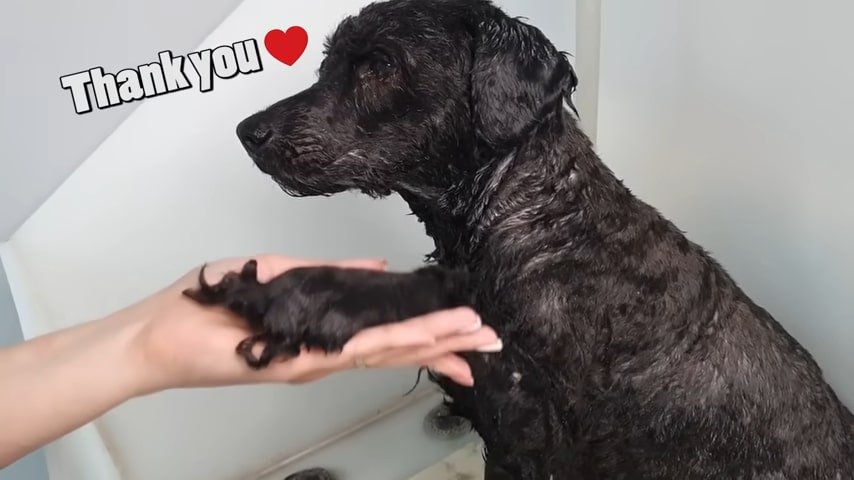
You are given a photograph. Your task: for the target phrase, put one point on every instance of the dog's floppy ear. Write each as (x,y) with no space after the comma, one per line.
(517,77)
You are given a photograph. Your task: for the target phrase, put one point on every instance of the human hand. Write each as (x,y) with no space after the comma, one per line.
(183,344)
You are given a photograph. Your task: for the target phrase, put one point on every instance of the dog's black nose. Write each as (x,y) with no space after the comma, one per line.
(254,134)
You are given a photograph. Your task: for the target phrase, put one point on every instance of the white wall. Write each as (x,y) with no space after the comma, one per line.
(70,38)
(172,188)
(734,118)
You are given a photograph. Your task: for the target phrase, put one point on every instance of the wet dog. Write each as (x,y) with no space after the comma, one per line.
(630,353)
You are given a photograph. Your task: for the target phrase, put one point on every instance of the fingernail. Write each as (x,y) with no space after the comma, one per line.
(494,348)
(474,326)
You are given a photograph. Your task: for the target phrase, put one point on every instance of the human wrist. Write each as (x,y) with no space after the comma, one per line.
(138,355)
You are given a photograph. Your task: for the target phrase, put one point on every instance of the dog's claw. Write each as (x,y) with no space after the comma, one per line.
(245,348)
(250,271)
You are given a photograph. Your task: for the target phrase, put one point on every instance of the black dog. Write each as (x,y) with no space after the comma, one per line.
(630,353)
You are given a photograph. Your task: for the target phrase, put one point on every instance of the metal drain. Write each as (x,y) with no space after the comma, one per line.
(440,423)
(312,474)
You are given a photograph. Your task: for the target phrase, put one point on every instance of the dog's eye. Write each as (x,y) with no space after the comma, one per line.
(378,67)
(381,66)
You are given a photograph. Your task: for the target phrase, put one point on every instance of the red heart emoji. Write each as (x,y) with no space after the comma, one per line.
(286,47)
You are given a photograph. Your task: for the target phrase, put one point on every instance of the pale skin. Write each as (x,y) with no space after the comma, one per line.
(54,384)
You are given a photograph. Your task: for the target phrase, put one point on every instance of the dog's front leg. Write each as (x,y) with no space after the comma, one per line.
(323,307)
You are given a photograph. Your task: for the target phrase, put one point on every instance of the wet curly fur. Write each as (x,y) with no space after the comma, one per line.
(630,353)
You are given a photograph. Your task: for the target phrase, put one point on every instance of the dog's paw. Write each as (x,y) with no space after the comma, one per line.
(322,308)
(313,333)
(293,321)
(239,292)
(317,308)
(242,293)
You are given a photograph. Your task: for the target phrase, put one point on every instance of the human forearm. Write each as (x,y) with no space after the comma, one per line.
(57,383)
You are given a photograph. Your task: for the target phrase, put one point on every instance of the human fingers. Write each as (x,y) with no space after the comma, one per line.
(483,340)
(453,367)
(419,331)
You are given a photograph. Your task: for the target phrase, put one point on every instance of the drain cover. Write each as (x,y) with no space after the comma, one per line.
(440,423)
(313,474)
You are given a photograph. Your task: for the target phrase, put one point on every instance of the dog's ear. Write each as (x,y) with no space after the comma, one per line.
(517,77)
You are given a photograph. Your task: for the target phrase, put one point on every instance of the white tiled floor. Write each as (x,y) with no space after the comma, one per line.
(464,464)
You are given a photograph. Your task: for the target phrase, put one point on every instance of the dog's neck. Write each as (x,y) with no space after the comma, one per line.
(513,191)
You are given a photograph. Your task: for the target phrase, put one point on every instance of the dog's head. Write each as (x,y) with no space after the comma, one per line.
(411,95)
